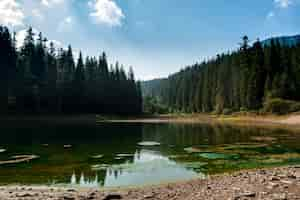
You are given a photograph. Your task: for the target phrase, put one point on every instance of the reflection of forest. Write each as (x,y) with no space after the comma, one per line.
(145,166)
(178,135)
(207,134)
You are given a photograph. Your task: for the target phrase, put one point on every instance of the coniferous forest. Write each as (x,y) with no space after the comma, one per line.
(256,77)
(38,78)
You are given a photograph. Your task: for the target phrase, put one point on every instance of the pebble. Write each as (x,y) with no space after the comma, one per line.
(279,196)
(278,184)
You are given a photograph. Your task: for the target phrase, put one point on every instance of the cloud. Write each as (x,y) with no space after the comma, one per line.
(49,3)
(283,3)
(20,36)
(106,12)
(11,13)
(38,14)
(66,25)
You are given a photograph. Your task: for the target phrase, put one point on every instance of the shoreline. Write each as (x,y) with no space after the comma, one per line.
(270,183)
(291,121)
(238,119)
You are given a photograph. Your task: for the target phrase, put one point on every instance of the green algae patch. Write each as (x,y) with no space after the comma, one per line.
(194,165)
(244,146)
(214,156)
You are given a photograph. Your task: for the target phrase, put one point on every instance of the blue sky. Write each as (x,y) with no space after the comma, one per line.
(155,37)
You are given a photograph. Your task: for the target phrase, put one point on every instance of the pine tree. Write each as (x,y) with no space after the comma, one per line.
(79,84)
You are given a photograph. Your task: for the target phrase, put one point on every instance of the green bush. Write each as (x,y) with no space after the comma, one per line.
(281,106)
(227,111)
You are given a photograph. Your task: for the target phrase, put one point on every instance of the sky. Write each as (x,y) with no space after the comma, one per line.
(155,37)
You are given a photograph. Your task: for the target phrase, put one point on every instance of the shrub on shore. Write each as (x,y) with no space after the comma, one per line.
(281,106)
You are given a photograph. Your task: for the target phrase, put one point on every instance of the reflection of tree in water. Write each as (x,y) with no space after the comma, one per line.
(147,167)
(206,134)
(85,181)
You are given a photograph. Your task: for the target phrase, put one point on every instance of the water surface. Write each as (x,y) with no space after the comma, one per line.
(121,154)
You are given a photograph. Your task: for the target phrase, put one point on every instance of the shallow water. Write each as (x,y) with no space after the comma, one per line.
(134,154)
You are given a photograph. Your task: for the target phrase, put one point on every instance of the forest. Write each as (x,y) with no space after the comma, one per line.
(261,77)
(38,78)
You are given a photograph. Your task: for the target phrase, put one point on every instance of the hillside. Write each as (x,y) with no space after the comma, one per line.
(284,40)
(149,87)
(254,77)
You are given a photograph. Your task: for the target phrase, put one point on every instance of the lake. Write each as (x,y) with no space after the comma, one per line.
(134,154)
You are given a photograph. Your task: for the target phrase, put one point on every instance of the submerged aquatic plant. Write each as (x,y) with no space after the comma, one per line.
(219,156)
(149,143)
(19,159)
(97,156)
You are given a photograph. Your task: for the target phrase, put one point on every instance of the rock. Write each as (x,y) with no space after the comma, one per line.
(274,178)
(2,150)
(279,196)
(297,174)
(248,194)
(68,198)
(24,195)
(92,195)
(149,196)
(19,159)
(286,182)
(272,185)
(112,197)
(97,156)
(292,176)
(71,190)
(149,143)
(262,172)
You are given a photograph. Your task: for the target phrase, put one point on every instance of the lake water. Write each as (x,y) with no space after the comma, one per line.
(121,154)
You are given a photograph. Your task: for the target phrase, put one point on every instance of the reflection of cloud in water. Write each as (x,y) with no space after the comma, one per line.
(148,167)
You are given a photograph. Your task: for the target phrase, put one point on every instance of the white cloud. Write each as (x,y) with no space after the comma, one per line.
(66,25)
(20,36)
(11,13)
(283,3)
(38,14)
(50,3)
(57,44)
(106,12)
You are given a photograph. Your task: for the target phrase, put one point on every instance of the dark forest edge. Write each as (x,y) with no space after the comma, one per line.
(259,78)
(39,79)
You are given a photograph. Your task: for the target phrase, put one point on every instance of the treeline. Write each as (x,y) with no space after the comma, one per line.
(38,78)
(246,79)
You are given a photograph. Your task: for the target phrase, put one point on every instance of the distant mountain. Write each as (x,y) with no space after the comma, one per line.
(284,40)
(149,87)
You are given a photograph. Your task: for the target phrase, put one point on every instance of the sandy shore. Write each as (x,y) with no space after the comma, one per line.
(276,184)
